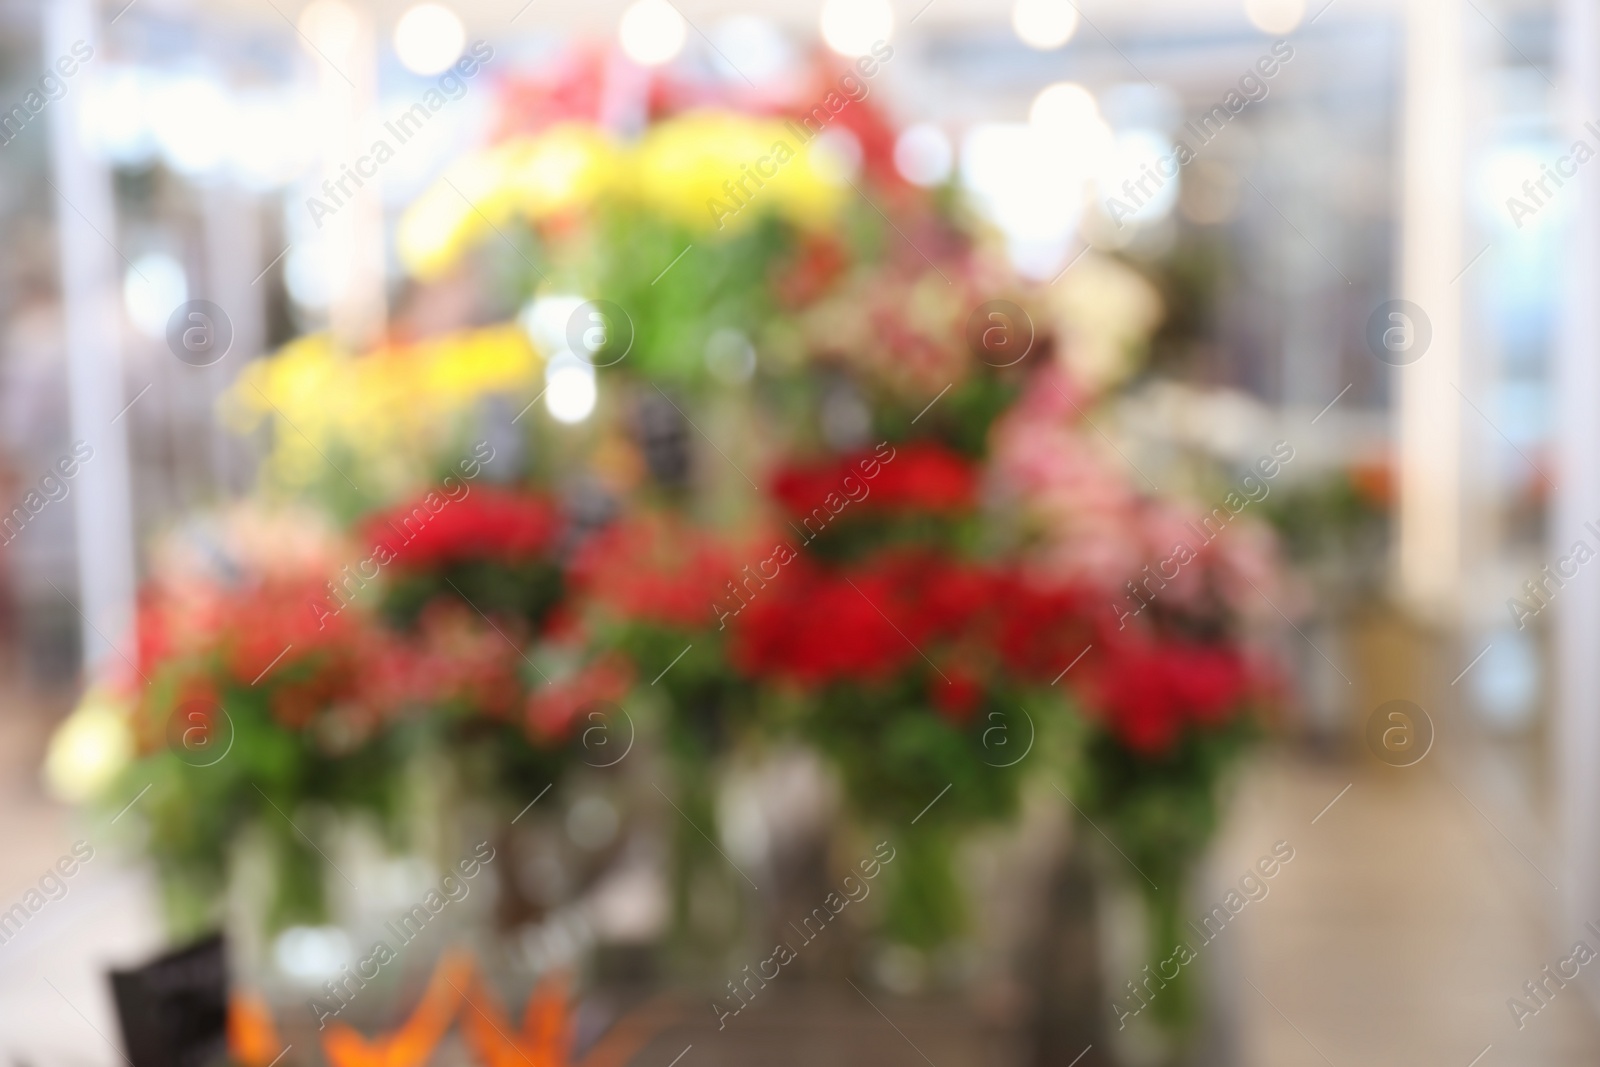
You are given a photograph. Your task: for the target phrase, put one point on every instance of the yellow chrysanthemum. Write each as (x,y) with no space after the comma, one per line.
(714,169)
(385,412)
(567,167)
(696,169)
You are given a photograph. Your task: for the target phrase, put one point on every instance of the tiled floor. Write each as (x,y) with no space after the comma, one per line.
(1401,928)
(1395,936)
(55,1006)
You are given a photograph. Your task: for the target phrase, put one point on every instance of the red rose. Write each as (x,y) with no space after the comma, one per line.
(655,568)
(958,697)
(555,709)
(501,525)
(1042,629)
(1148,691)
(811,628)
(920,476)
(926,476)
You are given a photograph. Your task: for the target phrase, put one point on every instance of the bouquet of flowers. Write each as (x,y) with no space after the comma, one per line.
(246,713)
(1168,684)
(944,555)
(489,549)
(897,641)
(357,430)
(276,684)
(486,636)
(650,584)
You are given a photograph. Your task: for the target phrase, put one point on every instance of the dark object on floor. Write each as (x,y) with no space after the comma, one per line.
(174,1009)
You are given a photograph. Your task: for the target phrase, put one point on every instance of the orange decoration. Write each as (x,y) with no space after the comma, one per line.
(1373,480)
(632,1033)
(414,1042)
(545,1037)
(457,994)
(252,1038)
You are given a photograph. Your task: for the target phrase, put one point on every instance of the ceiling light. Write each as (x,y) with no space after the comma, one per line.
(1044,24)
(428,38)
(651,32)
(1065,108)
(1276,17)
(329,28)
(852,27)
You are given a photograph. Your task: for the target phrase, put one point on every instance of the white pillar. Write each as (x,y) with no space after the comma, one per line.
(233,259)
(91,273)
(1428,408)
(1576,736)
(350,242)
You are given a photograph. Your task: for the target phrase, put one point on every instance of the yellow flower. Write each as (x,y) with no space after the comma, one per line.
(90,749)
(386,413)
(686,167)
(569,166)
(682,168)
(564,168)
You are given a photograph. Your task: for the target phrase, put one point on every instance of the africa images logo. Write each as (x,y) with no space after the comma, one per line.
(1398,332)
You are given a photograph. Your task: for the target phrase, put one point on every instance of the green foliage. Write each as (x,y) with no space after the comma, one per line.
(962,417)
(854,535)
(1161,811)
(925,906)
(201,803)
(498,758)
(1325,517)
(896,756)
(675,306)
(526,590)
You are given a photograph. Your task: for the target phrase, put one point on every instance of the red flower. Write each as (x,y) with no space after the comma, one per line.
(1146,692)
(568,87)
(277,624)
(655,568)
(929,477)
(817,264)
(585,700)
(866,122)
(1211,681)
(812,627)
(799,488)
(918,476)
(500,525)
(293,639)
(454,660)
(174,620)
(1040,629)
(958,697)
(950,597)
